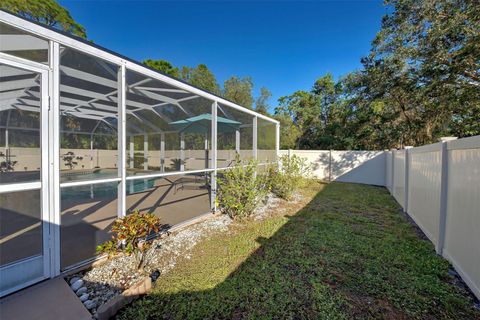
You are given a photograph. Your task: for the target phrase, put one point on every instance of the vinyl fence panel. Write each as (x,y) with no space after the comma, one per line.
(388,170)
(462,229)
(318,160)
(366,167)
(440,184)
(399,176)
(424,188)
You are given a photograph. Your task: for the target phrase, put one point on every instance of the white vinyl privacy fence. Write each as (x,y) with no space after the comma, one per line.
(438,185)
(347,166)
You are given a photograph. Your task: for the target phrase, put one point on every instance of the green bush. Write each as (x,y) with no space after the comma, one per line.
(240,189)
(288,178)
(130,235)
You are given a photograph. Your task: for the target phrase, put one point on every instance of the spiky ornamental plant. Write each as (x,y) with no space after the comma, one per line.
(130,235)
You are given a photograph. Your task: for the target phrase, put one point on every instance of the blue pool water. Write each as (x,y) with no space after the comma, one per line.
(102,190)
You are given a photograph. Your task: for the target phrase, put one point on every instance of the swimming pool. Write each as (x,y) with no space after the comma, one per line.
(101,189)
(86,175)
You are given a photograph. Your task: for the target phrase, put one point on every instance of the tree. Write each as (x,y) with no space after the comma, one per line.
(321,115)
(163,66)
(48,12)
(201,77)
(261,104)
(422,77)
(239,90)
(420,81)
(289,132)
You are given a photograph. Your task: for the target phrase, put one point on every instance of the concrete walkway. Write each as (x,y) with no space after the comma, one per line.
(52,299)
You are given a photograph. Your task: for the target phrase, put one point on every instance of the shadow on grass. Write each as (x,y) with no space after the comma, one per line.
(347,253)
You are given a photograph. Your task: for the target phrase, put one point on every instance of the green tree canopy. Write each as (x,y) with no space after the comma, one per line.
(48,12)
(422,78)
(239,90)
(163,66)
(421,81)
(200,76)
(261,104)
(321,115)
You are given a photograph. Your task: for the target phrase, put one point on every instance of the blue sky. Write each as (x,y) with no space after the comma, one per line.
(284,46)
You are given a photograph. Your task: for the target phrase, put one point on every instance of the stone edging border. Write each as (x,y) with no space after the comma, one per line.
(111,307)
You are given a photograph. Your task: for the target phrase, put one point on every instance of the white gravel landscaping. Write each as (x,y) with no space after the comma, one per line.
(103,282)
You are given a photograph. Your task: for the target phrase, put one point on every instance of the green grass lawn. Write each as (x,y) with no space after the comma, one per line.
(344,252)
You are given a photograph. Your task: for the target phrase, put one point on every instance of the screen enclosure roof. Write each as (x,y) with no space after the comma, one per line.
(93,94)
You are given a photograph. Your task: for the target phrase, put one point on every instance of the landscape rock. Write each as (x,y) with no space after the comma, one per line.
(84,297)
(453,273)
(77,285)
(90,304)
(74,279)
(270,202)
(154,275)
(81,291)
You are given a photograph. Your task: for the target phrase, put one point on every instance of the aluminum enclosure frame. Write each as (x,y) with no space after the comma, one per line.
(51,170)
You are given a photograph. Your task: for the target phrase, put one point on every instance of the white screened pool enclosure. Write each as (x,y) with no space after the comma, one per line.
(87,136)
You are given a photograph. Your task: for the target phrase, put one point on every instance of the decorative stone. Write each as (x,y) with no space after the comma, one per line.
(77,285)
(154,275)
(452,272)
(84,297)
(81,291)
(111,307)
(74,279)
(90,304)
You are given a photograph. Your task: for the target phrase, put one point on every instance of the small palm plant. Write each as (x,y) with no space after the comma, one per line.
(130,236)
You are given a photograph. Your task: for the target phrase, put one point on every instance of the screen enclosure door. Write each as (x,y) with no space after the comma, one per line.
(24,226)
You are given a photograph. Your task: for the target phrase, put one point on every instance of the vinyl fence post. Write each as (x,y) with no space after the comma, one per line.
(393,172)
(407,173)
(330,166)
(443,198)
(392,189)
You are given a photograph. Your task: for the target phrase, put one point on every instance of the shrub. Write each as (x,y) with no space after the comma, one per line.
(286,179)
(240,189)
(130,235)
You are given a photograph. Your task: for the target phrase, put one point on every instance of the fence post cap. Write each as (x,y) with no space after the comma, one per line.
(444,139)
